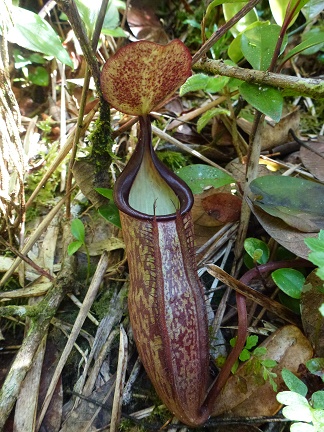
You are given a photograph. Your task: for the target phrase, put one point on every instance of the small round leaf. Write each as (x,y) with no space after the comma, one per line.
(290,281)
(77,230)
(257,249)
(199,177)
(293,383)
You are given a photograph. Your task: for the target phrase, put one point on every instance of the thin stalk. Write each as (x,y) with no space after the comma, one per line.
(222,30)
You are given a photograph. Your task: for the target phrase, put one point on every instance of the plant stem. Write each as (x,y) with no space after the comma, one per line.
(311,87)
(71,11)
(223,29)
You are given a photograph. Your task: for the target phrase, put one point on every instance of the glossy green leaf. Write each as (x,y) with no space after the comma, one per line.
(316,245)
(230,9)
(39,76)
(296,201)
(258,45)
(312,9)
(199,177)
(279,8)
(251,341)
(234,50)
(289,302)
(89,11)
(208,115)
(298,412)
(266,99)
(310,41)
(290,281)
(77,230)
(253,246)
(244,355)
(318,399)
(74,247)
(294,383)
(204,82)
(302,427)
(32,32)
(108,193)
(111,213)
(292,398)
(316,366)
(117,32)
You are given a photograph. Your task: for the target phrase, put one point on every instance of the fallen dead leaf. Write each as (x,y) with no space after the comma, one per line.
(313,323)
(224,207)
(287,236)
(244,395)
(145,25)
(312,161)
(277,134)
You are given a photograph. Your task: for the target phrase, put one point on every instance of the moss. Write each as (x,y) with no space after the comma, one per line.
(102,141)
(172,159)
(101,306)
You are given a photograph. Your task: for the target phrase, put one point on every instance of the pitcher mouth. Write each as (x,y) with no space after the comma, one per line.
(126,179)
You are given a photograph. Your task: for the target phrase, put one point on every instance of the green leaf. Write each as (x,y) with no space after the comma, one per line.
(194,83)
(244,355)
(111,213)
(266,99)
(310,41)
(199,177)
(289,302)
(234,50)
(293,383)
(316,244)
(318,399)
(302,427)
(117,32)
(292,398)
(317,256)
(316,366)
(108,193)
(251,341)
(204,82)
(252,245)
(269,363)
(230,9)
(296,201)
(298,412)
(312,9)
(259,351)
(321,308)
(279,9)
(34,33)
(73,247)
(39,76)
(208,115)
(77,230)
(318,419)
(258,45)
(290,281)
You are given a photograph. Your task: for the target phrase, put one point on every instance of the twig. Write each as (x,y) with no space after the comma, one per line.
(87,303)
(24,358)
(254,295)
(223,29)
(25,258)
(71,11)
(312,87)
